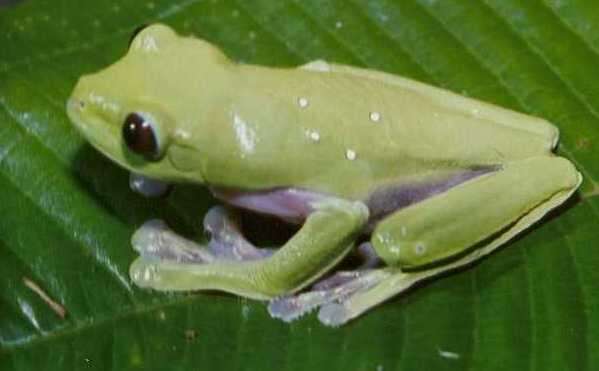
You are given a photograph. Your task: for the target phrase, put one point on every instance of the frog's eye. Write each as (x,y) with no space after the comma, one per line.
(141,137)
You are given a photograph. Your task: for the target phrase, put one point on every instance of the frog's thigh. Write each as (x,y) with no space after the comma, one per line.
(488,206)
(326,236)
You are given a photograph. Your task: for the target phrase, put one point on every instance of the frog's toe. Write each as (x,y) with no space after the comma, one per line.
(333,314)
(338,279)
(143,273)
(290,308)
(156,242)
(329,295)
(370,258)
(219,220)
(226,241)
(147,186)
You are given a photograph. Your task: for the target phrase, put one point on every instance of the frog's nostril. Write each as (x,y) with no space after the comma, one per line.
(76,104)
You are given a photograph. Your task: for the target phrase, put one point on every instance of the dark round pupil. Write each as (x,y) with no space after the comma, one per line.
(139,136)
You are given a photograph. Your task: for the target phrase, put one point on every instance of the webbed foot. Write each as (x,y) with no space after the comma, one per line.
(154,240)
(227,242)
(329,295)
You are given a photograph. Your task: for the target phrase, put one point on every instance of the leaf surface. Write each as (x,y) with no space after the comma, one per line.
(67,212)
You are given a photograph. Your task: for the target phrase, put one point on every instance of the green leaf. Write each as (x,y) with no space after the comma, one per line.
(67,213)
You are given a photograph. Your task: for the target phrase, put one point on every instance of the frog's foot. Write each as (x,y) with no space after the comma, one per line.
(147,186)
(154,241)
(370,261)
(330,295)
(227,242)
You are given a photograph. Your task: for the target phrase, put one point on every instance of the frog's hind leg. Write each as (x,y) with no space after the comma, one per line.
(492,206)
(426,233)
(155,241)
(369,261)
(329,295)
(540,194)
(331,290)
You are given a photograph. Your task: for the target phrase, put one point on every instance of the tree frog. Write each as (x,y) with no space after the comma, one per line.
(430,180)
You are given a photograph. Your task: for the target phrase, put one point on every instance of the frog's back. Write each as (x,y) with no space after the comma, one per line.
(349,131)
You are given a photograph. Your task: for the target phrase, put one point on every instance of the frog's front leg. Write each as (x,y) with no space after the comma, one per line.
(326,236)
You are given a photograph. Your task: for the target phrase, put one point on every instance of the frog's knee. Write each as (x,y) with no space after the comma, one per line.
(354,211)
(567,176)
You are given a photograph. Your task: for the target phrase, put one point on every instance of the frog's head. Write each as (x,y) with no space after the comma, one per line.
(139,110)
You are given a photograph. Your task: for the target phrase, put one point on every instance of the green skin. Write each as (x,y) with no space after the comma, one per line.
(339,132)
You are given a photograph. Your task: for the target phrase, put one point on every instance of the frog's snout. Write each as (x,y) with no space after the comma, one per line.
(77,102)
(82,93)
(90,99)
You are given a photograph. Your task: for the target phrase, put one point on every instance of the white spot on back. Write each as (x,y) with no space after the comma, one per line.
(150,5)
(245,135)
(303,102)
(338,24)
(350,154)
(395,249)
(313,135)
(252,35)
(235,13)
(375,116)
